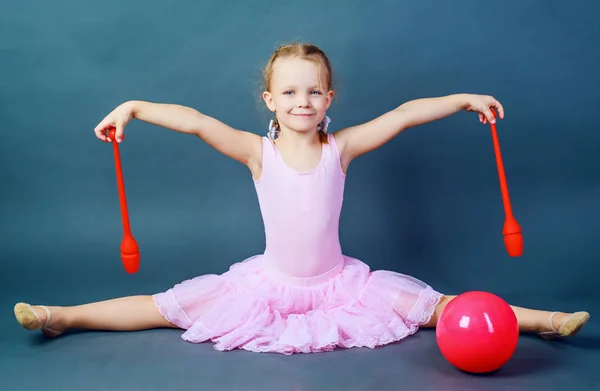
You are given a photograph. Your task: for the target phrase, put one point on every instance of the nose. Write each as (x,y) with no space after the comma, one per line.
(302,101)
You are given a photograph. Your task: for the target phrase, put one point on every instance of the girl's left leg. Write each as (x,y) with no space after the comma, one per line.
(547,323)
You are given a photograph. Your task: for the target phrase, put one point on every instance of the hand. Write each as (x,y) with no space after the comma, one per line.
(118,119)
(483,104)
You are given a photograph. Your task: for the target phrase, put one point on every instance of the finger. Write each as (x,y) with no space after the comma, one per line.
(481,117)
(100,134)
(119,131)
(499,108)
(100,129)
(106,122)
(489,115)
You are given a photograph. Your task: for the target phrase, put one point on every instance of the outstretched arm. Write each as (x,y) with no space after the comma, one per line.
(357,140)
(237,144)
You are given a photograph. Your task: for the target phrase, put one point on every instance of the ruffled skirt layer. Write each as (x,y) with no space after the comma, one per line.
(254,307)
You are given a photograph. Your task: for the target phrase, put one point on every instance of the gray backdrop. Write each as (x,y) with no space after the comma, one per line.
(427,204)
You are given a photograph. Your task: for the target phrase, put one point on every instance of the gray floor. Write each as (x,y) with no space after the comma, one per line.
(160,360)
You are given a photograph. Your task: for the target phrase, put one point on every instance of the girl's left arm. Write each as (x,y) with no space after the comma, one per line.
(360,139)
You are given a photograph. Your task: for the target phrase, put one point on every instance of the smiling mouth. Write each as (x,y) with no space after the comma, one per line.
(302,115)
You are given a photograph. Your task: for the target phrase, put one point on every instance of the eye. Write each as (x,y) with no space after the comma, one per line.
(316,92)
(288,92)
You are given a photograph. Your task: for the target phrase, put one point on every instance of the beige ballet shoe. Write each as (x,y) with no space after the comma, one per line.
(30,320)
(568,328)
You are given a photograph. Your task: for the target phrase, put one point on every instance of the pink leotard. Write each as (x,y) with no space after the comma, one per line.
(301,212)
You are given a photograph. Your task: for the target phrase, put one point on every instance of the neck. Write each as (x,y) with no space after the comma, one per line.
(292,138)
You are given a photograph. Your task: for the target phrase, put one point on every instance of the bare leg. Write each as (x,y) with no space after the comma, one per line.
(123,314)
(530,320)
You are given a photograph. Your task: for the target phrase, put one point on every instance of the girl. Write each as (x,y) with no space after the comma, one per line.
(302,294)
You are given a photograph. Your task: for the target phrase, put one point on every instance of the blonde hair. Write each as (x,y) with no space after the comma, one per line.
(304,51)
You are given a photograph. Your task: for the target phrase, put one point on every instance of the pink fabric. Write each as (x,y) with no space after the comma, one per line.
(301,212)
(302,294)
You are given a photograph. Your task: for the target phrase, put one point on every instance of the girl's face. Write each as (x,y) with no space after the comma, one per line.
(297,94)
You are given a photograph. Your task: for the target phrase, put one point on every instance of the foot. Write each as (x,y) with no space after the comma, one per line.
(37,318)
(565,325)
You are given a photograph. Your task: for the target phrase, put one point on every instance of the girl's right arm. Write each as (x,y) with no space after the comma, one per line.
(240,145)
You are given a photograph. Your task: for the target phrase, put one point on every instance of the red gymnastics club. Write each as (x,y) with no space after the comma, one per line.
(130,254)
(513,240)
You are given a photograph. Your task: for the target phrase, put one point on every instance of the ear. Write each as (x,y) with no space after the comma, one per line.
(330,95)
(268,98)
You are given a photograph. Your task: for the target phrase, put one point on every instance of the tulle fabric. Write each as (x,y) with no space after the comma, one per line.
(253,307)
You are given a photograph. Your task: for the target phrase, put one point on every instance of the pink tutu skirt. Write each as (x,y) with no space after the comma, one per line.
(256,308)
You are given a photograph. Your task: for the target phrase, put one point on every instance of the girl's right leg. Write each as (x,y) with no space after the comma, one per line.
(123,314)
